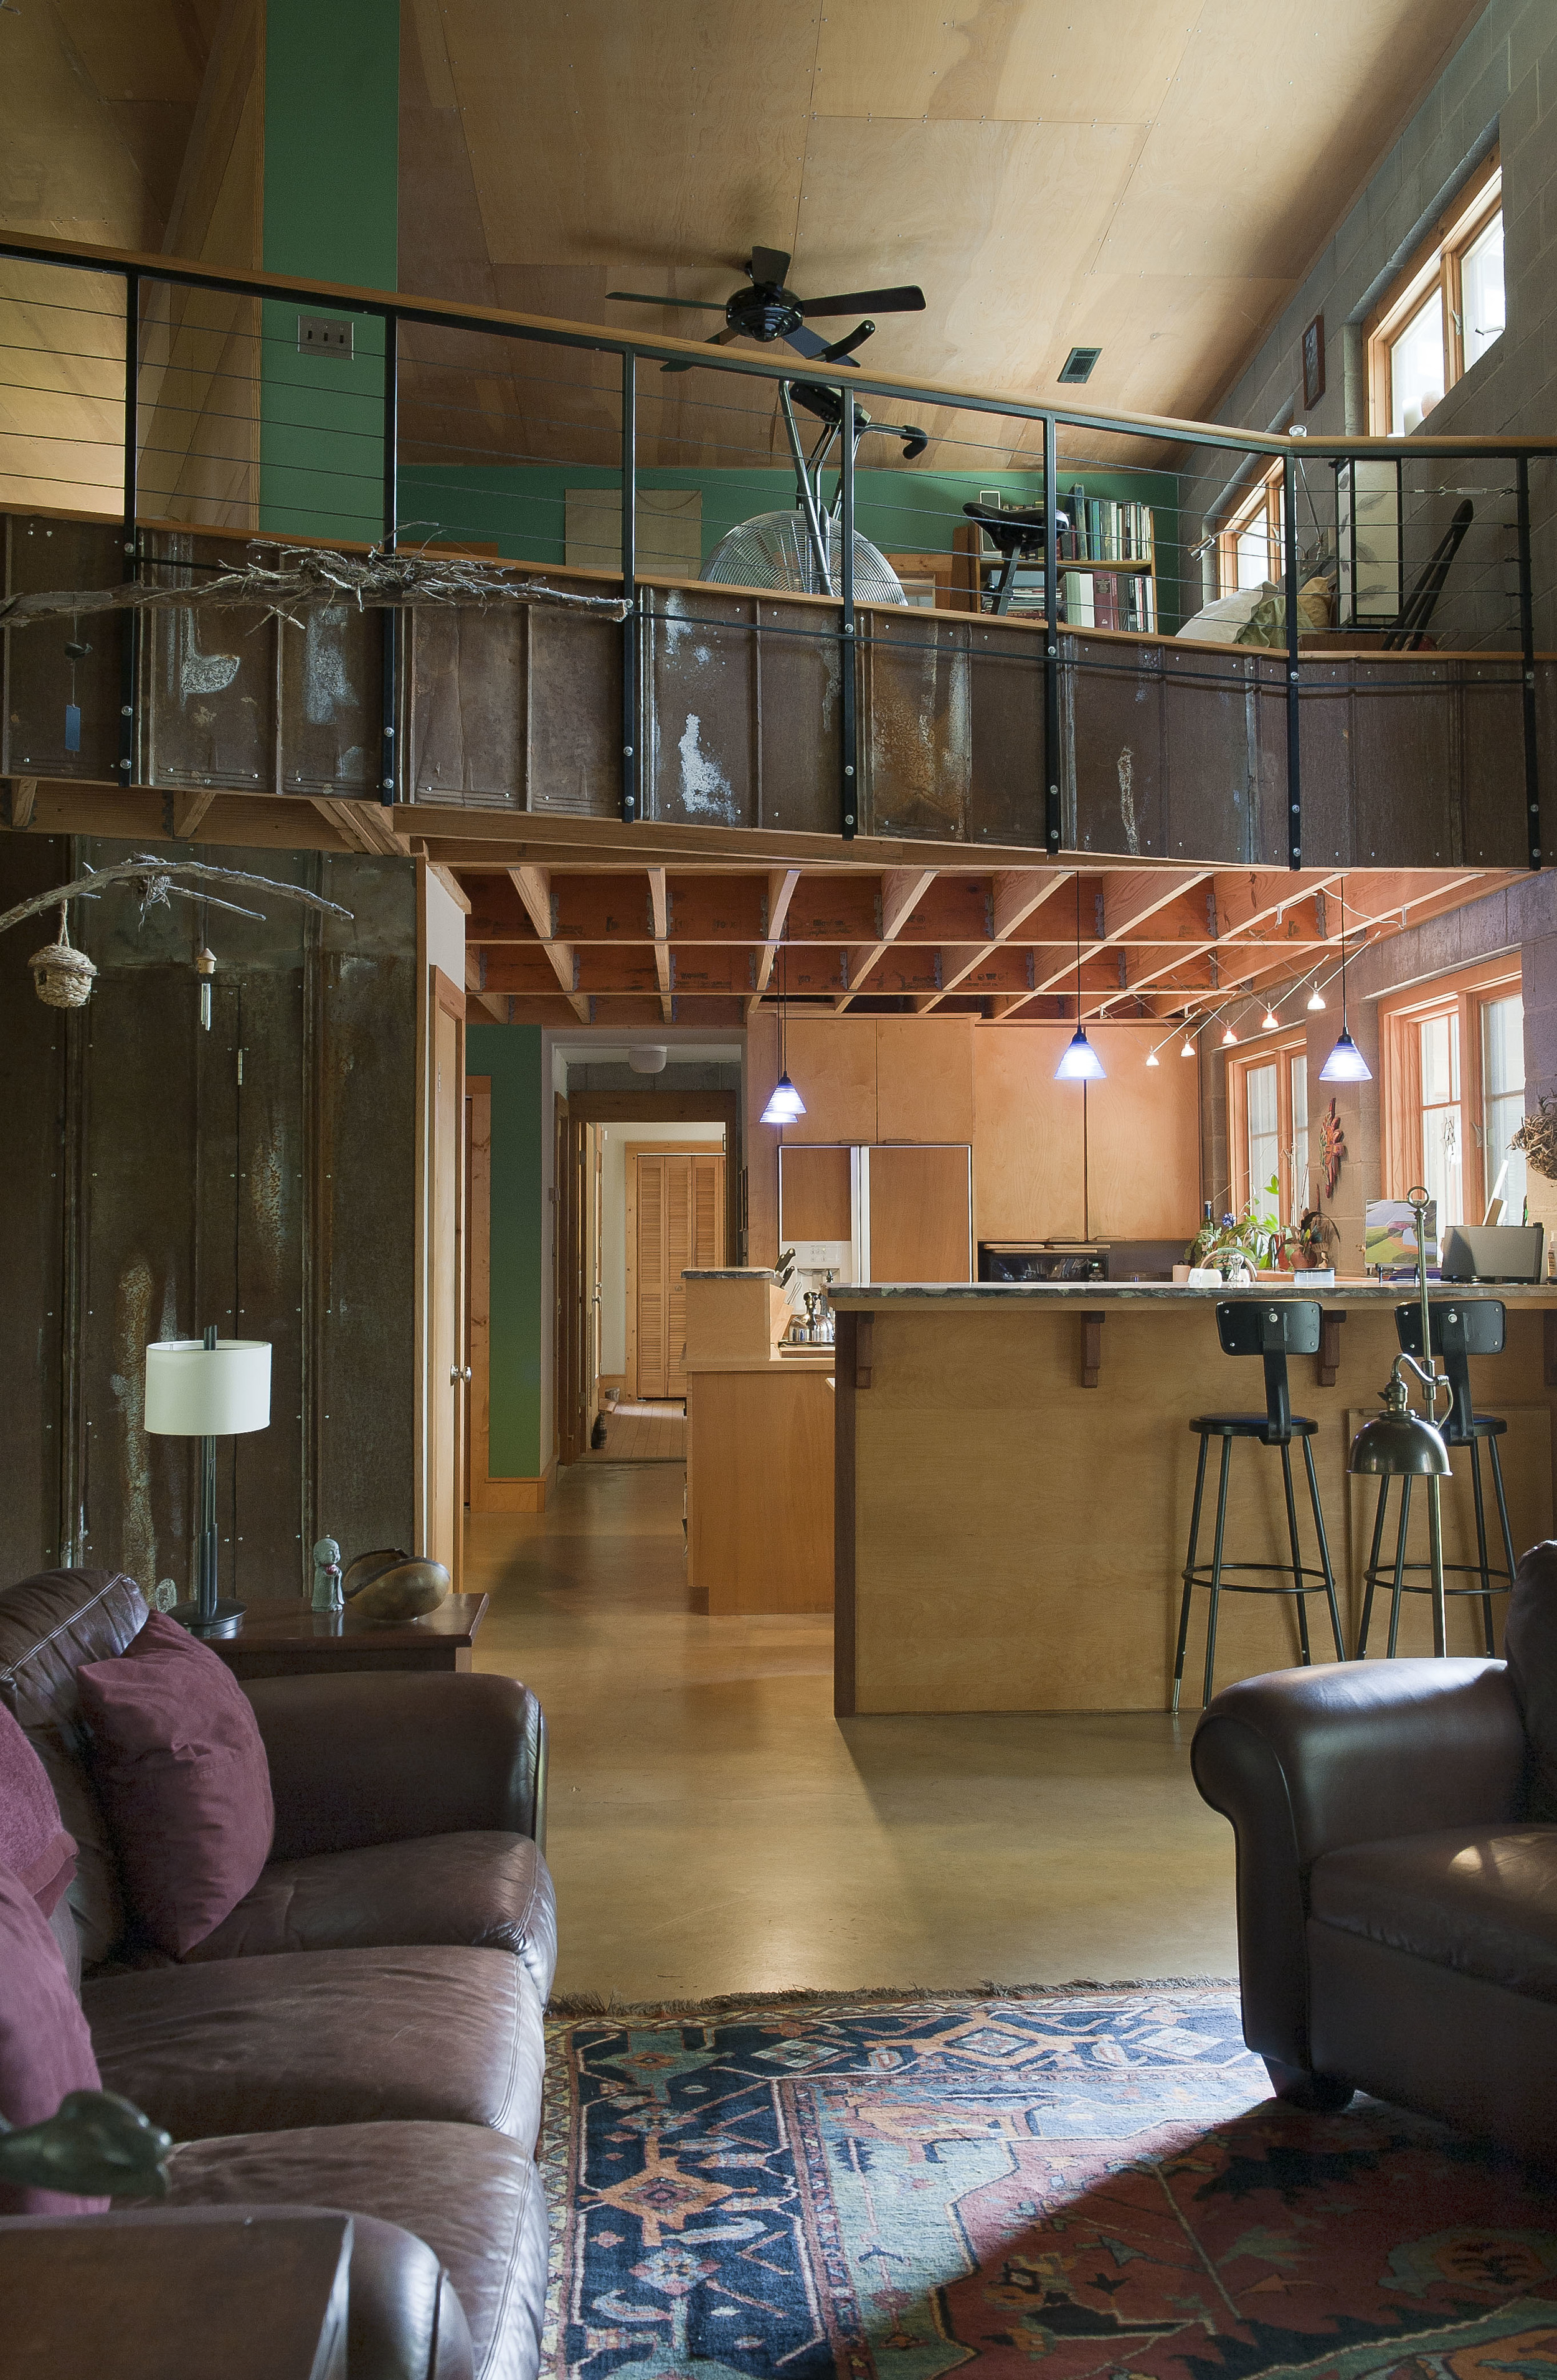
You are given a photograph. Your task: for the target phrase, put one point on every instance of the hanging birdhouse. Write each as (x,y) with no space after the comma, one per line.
(62,976)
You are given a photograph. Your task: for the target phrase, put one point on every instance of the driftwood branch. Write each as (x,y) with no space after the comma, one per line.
(155,877)
(305,579)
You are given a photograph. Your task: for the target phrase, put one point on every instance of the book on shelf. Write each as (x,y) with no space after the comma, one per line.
(1102,530)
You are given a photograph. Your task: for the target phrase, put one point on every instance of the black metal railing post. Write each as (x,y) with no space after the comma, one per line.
(1294,679)
(629,587)
(388,769)
(1052,817)
(850,639)
(1528,667)
(129,629)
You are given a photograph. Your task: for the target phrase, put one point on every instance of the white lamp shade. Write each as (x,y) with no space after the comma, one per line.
(193,1391)
(1079,1062)
(785,1103)
(1346,1063)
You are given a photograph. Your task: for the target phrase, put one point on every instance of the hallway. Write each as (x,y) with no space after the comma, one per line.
(715,1829)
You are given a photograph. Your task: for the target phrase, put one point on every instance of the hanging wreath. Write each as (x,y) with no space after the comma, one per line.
(1333,1148)
(1537,1139)
(62,976)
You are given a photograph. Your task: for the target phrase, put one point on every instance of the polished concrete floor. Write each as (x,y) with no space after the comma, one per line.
(713,1828)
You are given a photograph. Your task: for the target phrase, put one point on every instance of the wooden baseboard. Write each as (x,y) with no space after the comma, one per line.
(509,1495)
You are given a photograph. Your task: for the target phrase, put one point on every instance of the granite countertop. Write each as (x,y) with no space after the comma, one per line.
(847,1297)
(732,1272)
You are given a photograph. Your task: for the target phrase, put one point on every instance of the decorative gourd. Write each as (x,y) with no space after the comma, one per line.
(389,1588)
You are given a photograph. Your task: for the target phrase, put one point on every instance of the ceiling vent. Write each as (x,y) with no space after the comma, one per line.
(1078,364)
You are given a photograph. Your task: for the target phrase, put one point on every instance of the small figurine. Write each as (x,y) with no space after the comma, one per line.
(327,1594)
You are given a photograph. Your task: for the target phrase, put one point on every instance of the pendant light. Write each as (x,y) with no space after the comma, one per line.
(1346,1063)
(785,1105)
(1151,1058)
(1269,1022)
(1316,999)
(1229,1039)
(1080,1062)
(1188,1049)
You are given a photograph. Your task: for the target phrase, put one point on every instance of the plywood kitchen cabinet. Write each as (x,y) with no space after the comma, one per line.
(832,1065)
(924,1078)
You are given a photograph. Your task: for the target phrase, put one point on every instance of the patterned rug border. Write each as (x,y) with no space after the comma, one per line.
(572,2006)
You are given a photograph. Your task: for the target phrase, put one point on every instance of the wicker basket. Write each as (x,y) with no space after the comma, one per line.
(62,976)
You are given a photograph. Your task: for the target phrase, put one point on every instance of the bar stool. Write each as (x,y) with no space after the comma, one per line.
(1460,1329)
(1275,1330)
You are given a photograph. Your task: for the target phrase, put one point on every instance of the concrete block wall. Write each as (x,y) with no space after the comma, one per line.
(1500,84)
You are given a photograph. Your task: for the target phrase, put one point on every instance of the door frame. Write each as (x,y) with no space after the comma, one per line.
(573,1113)
(631,1151)
(439,992)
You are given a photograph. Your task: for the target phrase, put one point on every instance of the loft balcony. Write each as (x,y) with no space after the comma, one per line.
(687,717)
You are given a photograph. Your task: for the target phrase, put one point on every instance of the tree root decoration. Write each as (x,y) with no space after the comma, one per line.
(156,880)
(308,580)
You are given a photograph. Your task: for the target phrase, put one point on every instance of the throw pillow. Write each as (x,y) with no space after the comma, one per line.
(33,1844)
(1530,1649)
(45,2049)
(180,1767)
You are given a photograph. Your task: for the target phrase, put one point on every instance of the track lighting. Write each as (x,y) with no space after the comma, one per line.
(1316,998)
(1188,1049)
(1269,1022)
(1151,1057)
(1230,1039)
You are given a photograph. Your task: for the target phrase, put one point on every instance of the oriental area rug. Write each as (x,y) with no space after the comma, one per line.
(1060,2184)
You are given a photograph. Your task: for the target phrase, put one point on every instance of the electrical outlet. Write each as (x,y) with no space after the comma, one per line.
(324,335)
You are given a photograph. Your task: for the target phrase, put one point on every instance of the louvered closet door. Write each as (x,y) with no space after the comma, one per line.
(680,1228)
(652,1276)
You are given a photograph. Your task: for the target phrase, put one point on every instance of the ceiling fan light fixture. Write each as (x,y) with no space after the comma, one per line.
(1079,364)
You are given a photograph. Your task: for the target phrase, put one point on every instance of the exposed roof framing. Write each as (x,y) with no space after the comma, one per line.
(630,948)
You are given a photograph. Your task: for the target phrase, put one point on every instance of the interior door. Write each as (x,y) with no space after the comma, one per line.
(679,1226)
(447,1396)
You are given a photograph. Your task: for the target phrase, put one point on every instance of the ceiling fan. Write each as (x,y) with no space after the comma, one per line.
(768,310)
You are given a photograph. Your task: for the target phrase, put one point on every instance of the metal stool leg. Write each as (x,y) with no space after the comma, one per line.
(1324,1551)
(1503,1507)
(1190,1568)
(1296,1557)
(1481,1546)
(1400,1563)
(1372,1572)
(1216,1567)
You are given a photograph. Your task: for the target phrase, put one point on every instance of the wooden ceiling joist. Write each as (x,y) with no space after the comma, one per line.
(533,886)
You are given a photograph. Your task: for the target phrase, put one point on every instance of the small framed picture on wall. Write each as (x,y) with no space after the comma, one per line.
(1313,363)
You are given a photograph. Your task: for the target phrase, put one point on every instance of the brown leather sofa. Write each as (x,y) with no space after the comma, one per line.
(364,2033)
(1397,1905)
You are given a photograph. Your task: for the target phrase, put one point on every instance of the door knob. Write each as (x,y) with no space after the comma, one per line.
(456,1374)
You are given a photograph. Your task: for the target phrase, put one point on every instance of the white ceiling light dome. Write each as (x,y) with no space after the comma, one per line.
(647,1060)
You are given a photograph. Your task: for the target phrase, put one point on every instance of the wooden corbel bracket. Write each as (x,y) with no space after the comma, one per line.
(1091,1348)
(1330,1345)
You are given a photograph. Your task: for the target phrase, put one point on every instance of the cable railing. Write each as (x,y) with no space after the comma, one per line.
(968,601)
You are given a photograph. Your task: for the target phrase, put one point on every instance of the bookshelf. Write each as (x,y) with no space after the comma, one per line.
(1107,558)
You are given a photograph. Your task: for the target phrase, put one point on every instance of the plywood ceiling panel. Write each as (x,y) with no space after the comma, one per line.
(1011,61)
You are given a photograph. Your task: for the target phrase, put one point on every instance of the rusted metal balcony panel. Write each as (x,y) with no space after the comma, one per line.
(701,709)
(917,726)
(797,678)
(332,703)
(39,678)
(208,678)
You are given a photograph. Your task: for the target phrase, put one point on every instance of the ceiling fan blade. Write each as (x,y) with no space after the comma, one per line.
(637,297)
(806,342)
(905,300)
(768,264)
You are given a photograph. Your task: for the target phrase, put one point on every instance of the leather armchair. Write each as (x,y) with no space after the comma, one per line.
(1397,1910)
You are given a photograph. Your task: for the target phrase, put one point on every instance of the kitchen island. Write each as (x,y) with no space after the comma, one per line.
(1015,1472)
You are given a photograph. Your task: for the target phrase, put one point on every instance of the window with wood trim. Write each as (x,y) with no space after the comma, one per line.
(1267,1128)
(1248,548)
(1443,310)
(1453,1093)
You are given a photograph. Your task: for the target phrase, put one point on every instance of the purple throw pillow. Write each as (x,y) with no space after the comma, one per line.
(33,1844)
(180,1767)
(1530,1649)
(45,2049)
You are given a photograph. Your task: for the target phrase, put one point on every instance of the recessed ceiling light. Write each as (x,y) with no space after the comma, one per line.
(1078,364)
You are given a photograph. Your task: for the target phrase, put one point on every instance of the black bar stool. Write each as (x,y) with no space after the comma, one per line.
(1460,1328)
(1275,1329)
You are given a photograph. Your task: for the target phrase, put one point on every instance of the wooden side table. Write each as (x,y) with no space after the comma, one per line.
(281,1637)
(260,2300)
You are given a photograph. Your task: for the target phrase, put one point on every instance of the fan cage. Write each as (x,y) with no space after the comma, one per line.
(774,549)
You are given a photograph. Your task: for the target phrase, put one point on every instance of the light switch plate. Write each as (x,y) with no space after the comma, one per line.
(324,335)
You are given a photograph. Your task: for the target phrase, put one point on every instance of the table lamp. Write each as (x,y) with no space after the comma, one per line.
(208,1389)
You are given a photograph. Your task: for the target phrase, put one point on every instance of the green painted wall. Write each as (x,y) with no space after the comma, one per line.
(330,207)
(511,1055)
(520,508)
